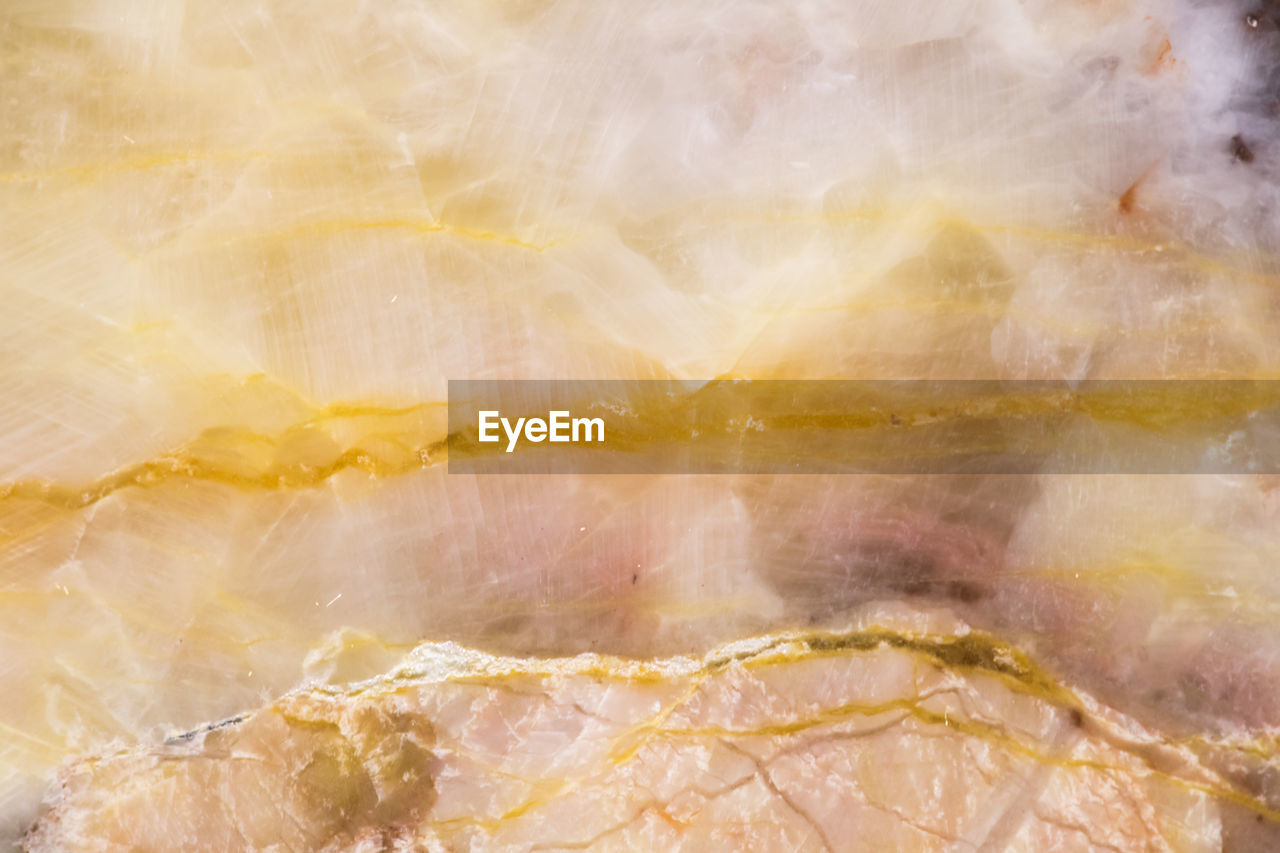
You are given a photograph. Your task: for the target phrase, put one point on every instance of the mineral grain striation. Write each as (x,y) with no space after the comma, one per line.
(245,245)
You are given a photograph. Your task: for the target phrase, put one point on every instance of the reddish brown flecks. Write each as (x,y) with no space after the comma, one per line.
(1240,150)
(1156,54)
(1129,198)
(1164,55)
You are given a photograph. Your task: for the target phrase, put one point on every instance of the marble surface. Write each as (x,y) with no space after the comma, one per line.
(244,245)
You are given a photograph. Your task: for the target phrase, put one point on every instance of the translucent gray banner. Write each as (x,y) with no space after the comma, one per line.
(884,427)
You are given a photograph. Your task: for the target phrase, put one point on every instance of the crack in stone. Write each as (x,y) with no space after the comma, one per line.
(766,777)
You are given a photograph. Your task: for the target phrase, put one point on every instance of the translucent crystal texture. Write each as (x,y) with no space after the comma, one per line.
(866,740)
(244,245)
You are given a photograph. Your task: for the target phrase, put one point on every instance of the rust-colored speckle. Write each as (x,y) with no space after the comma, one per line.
(1158,54)
(1163,53)
(1129,198)
(1240,150)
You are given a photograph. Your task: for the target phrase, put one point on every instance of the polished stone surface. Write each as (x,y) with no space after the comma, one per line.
(244,245)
